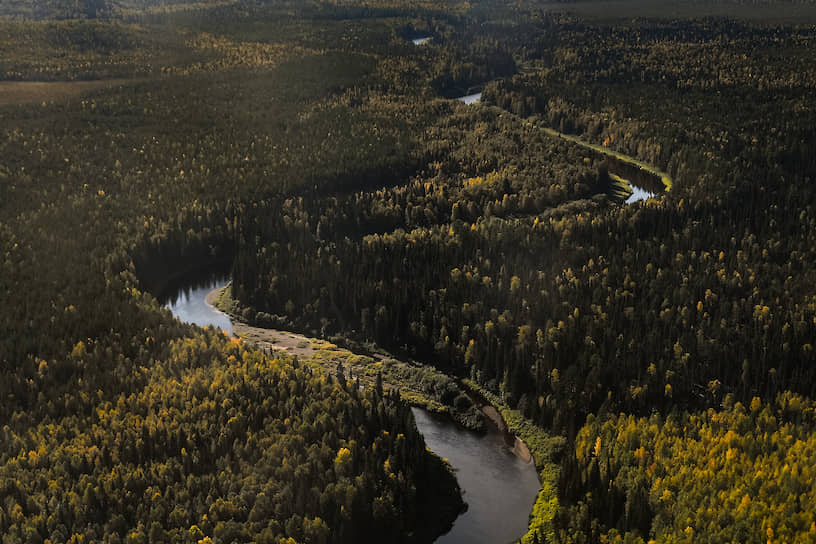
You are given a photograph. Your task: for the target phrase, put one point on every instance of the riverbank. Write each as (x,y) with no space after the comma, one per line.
(269,340)
(519,448)
(419,385)
(544,449)
(664,177)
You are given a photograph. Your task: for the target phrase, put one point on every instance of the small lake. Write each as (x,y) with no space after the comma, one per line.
(420,41)
(498,486)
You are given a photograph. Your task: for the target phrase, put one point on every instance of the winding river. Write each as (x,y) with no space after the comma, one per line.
(658,181)
(498,486)
(638,193)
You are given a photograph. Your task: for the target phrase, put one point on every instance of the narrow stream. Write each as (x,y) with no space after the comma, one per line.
(499,487)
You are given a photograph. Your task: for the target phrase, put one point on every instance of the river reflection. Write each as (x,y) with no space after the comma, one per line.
(499,487)
(188,303)
(470,98)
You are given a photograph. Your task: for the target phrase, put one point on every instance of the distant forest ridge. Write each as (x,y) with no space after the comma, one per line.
(800,11)
(91,9)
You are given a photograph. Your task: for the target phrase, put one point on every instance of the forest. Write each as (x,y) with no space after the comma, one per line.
(314,151)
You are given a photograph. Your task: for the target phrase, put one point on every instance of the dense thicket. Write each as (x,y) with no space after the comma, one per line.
(583,308)
(755,460)
(212,440)
(308,145)
(423,263)
(121,424)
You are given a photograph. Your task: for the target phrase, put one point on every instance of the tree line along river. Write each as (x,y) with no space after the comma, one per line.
(498,486)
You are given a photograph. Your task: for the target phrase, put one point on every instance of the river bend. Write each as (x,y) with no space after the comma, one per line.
(499,487)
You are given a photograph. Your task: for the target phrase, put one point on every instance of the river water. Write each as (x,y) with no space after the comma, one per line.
(470,98)
(188,303)
(499,487)
(638,194)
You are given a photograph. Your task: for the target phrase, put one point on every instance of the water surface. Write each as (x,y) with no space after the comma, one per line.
(638,194)
(470,98)
(188,304)
(498,486)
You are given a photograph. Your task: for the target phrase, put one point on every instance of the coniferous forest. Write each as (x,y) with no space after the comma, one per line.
(314,151)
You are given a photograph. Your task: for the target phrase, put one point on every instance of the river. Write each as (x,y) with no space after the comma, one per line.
(638,194)
(498,486)
(662,180)
(188,303)
(470,98)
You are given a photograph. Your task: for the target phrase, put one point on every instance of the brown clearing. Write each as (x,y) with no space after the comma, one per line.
(271,339)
